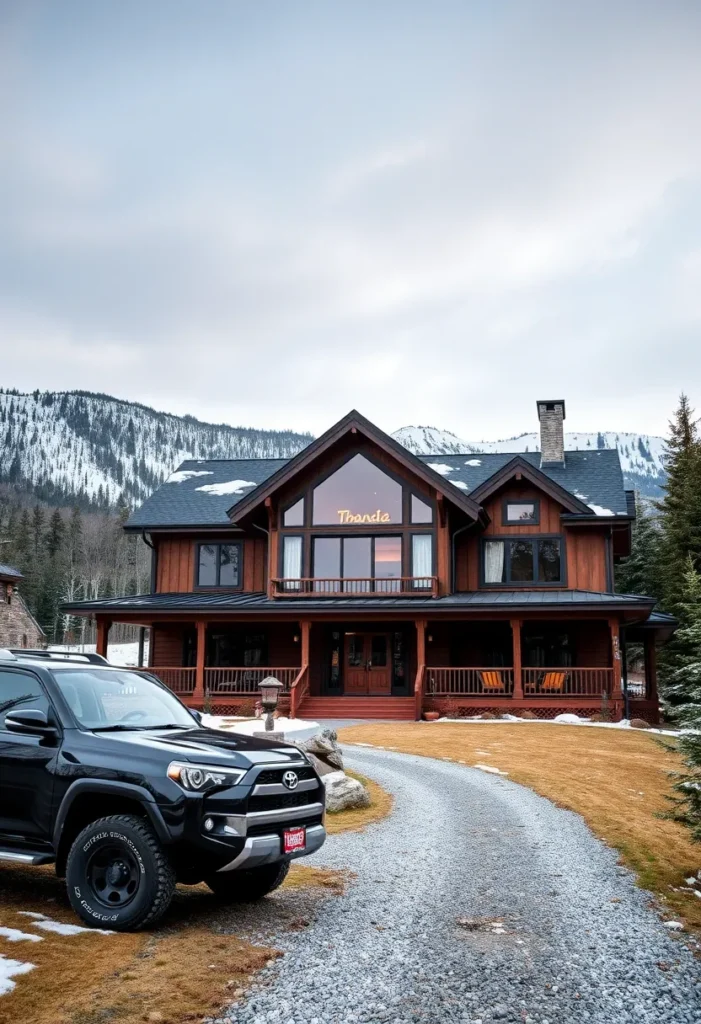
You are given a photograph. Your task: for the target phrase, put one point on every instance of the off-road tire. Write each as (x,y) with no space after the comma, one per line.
(154,876)
(248,886)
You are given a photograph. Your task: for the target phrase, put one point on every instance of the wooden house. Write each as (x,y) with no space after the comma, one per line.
(376,583)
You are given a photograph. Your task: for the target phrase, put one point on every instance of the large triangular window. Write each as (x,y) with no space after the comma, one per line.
(357,494)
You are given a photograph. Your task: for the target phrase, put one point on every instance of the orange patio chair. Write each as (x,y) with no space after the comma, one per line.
(492,682)
(553,682)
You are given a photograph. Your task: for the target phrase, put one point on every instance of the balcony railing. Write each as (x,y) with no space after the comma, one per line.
(246,680)
(567,682)
(405,586)
(494,682)
(179,680)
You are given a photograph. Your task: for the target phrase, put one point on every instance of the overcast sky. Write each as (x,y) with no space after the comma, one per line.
(268,213)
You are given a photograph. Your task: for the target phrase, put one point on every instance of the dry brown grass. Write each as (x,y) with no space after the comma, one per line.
(181,972)
(357,820)
(618,781)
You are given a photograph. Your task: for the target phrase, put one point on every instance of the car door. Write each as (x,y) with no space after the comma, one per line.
(26,762)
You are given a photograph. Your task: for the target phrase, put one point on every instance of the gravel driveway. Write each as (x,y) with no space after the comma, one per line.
(563,934)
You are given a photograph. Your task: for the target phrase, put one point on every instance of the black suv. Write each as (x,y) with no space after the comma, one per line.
(106,774)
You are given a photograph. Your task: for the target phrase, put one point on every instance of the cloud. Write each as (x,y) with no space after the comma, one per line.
(434,220)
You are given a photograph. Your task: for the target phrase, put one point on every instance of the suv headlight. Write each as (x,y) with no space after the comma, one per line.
(200,777)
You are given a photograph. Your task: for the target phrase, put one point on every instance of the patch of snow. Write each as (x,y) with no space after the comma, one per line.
(295,729)
(441,467)
(15,935)
(582,497)
(186,474)
(47,924)
(458,483)
(600,511)
(674,926)
(489,768)
(569,719)
(126,655)
(473,462)
(227,487)
(10,969)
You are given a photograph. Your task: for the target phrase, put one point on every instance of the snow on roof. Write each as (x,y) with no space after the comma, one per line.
(186,474)
(227,487)
(459,483)
(473,462)
(600,511)
(441,467)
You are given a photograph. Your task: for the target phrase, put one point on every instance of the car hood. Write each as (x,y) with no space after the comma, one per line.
(206,745)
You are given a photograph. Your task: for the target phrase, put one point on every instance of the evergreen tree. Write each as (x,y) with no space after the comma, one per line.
(639,573)
(685,687)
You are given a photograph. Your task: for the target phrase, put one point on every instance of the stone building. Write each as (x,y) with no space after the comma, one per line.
(18,627)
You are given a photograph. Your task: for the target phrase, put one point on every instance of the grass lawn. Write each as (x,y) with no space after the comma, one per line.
(616,780)
(182,971)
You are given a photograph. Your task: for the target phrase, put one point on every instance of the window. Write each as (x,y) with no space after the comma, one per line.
(388,563)
(294,515)
(219,565)
(420,511)
(523,561)
(359,493)
(521,513)
(20,690)
(422,558)
(357,560)
(102,698)
(291,562)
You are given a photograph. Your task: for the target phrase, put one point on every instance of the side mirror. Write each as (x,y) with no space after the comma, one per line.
(30,720)
(197,715)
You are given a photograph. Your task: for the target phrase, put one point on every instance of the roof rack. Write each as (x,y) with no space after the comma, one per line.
(91,659)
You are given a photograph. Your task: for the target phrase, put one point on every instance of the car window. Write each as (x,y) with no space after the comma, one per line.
(20,690)
(102,698)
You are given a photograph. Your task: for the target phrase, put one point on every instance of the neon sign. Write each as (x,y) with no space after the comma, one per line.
(346,517)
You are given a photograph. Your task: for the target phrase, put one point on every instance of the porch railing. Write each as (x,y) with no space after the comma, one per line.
(406,586)
(246,680)
(179,680)
(567,682)
(493,682)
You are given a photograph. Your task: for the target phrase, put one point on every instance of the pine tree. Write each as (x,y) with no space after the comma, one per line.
(686,688)
(639,573)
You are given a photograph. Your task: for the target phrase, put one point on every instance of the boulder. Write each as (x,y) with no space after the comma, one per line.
(344,793)
(321,767)
(639,723)
(325,746)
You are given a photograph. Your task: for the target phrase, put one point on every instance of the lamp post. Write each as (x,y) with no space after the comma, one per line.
(269,695)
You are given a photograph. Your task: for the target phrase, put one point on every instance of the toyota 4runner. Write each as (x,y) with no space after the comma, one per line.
(106,774)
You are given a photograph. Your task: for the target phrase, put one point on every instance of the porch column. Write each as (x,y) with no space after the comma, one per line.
(420,667)
(140,656)
(651,666)
(617,692)
(297,693)
(198,693)
(516,640)
(103,632)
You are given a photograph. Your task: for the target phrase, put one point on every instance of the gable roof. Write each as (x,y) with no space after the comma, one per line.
(9,572)
(355,421)
(212,493)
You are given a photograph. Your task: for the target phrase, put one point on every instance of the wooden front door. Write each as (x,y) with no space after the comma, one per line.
(367,664)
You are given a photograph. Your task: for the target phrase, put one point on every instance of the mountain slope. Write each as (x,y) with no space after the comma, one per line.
(67,447)
(641,454)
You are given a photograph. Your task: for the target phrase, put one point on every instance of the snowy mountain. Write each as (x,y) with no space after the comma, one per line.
(77,446)
(641,454)
(66,447)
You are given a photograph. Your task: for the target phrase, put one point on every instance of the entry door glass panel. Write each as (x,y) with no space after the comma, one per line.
(357,565)
(378,652)
(356,653)
(388,564)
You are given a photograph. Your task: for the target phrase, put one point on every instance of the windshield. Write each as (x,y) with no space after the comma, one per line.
(105,698)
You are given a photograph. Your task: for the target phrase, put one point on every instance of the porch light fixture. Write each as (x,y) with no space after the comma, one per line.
(269,695)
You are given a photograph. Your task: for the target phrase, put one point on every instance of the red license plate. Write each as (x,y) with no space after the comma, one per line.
(294,839)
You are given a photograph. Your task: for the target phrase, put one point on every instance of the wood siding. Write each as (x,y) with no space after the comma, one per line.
(175,571)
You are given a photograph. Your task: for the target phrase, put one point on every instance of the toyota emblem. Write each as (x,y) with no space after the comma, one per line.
(290,780)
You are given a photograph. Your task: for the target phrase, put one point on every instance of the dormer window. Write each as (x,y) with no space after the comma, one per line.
(521,513)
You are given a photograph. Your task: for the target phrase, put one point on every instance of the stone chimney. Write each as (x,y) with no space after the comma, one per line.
(552,435)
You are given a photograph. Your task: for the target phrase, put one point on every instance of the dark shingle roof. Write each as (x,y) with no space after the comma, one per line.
(594,476)
(259,602)
(181,500)
(10,570)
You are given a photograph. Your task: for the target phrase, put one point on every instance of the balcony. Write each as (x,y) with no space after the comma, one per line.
(405,586)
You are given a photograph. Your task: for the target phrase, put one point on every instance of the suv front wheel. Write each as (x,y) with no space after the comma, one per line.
(248,886)
(118,876)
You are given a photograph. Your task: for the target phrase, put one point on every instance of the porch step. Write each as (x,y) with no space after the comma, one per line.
(395,708)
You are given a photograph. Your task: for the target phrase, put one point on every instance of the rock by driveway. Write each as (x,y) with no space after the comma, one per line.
(475,901)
